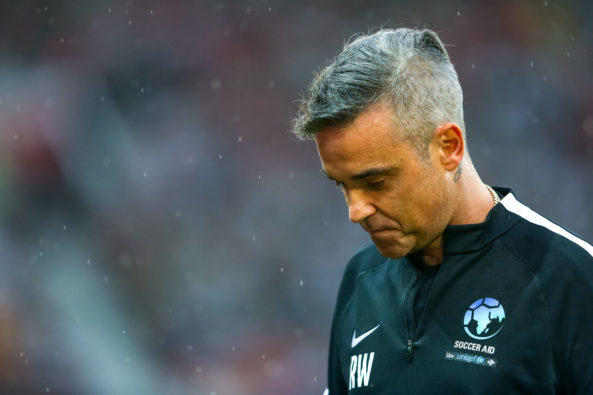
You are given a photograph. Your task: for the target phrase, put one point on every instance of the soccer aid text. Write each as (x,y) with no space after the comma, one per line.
(474,347)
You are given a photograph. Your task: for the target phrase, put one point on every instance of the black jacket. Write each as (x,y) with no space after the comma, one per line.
(509,310)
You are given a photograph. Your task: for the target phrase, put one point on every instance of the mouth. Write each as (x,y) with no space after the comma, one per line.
(379,232)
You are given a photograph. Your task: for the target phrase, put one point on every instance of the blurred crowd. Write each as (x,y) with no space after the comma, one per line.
(162,231)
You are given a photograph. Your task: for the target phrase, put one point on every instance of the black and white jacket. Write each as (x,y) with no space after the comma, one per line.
(509,311)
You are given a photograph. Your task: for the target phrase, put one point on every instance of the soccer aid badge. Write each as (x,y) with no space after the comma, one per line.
(484,319)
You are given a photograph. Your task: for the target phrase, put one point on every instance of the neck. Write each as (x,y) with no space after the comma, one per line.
(471,204)
(433,253)
(473,201)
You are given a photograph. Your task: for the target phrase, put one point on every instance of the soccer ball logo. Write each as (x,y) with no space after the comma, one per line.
(484,319)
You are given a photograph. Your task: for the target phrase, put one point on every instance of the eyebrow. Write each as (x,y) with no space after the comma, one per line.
(377,171)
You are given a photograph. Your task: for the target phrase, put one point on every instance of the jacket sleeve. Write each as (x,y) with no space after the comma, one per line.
(572,314)
(336,383)
(337,379)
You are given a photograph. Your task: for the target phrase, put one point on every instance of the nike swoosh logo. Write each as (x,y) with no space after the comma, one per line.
(356,340)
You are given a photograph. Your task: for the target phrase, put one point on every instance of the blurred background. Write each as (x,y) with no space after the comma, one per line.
(162,232)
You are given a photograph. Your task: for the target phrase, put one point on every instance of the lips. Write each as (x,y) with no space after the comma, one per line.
(378,228)
(376,232)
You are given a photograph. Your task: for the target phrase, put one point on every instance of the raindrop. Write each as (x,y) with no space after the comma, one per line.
(259,177)
(458,13)
(124,331)
(215,84)
(219,156)
(239,139)
(145,174)
(531,64)
(271,83)
(248,10)
(301,283)
(281,270)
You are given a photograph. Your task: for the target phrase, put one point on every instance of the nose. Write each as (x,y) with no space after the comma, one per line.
(359,208)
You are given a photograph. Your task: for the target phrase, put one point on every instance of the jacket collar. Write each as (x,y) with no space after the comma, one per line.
(461,239)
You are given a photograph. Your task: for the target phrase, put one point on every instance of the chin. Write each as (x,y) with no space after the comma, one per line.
(391,250)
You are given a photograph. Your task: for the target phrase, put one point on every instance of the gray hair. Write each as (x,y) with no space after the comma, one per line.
(409,68)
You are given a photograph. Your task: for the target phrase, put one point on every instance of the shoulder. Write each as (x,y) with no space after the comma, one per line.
(563,266)
(545,245)
(365,260)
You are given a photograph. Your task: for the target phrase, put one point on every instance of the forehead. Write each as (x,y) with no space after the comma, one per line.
(372,139)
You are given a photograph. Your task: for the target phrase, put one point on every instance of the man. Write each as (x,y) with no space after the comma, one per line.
(465,290)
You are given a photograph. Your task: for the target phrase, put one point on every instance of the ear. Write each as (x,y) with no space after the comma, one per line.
(449,144)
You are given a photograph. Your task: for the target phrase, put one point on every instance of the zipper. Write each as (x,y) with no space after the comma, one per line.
(410,345)
(410,350)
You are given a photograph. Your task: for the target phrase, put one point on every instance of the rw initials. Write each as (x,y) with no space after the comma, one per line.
(360,370)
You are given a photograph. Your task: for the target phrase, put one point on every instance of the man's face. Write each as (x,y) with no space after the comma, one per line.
(393,193)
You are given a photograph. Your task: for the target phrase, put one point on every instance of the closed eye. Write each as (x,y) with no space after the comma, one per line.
(376,184)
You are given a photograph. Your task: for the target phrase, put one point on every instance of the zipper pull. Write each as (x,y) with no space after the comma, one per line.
(410,350)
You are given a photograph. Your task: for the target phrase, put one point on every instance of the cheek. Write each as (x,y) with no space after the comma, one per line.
(427,198)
